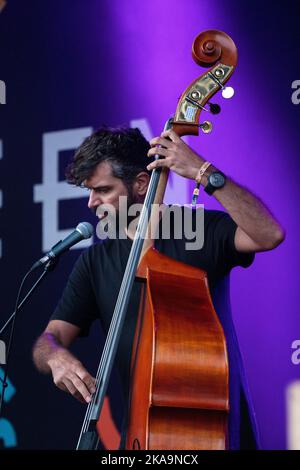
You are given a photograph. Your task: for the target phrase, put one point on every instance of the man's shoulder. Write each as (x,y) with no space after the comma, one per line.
(194,209)
(101,248)
(89,254)
(189,210)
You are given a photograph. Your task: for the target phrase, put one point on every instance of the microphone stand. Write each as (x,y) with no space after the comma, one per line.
(49,266)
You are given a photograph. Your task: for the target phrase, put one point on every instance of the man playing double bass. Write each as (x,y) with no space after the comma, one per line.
(112,163)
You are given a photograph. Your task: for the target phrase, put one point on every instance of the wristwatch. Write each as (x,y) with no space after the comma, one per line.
(216,180)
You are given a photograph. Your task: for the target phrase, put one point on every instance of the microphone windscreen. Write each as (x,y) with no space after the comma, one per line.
(86,229)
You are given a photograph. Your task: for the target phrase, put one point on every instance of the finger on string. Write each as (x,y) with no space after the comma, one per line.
(171,135)
(157,164)
(157,151)
(160,141)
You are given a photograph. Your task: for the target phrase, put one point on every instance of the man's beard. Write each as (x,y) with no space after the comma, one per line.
(131,199)
(121,219)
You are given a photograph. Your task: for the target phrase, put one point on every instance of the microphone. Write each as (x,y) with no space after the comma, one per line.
(83,231)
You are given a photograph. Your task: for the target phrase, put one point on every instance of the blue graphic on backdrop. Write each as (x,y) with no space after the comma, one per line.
(7,430)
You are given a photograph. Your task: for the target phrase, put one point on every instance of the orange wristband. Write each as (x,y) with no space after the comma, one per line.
(201,172)
(198,178)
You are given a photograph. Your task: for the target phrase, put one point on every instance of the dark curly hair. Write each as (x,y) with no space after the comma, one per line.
(124,148)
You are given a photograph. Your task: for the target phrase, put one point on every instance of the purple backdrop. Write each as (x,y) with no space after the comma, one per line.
(254,140)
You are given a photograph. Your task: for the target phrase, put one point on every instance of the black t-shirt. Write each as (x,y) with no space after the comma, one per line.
(93,286)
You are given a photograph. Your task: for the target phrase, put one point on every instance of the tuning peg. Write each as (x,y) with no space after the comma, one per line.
(214,108)
(227,92)
(206,127)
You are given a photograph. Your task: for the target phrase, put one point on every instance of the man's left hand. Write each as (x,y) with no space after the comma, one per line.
(178,156)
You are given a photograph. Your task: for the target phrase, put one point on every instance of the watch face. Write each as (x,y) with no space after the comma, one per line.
(217,180)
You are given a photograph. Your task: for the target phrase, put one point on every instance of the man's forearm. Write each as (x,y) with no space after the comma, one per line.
(45,347)
(67,371)
(249,213)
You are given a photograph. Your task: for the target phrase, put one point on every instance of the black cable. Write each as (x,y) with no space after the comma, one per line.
(22,303)
(10,341)
(12,319)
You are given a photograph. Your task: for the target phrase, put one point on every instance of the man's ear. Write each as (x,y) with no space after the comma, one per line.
(140,184)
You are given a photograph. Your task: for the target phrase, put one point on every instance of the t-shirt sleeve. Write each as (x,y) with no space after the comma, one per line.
(78,304)
(220,233)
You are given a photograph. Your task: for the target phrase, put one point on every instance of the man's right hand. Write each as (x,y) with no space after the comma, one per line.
(70,376)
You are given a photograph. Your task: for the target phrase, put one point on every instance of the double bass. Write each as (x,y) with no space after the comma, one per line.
(179,394)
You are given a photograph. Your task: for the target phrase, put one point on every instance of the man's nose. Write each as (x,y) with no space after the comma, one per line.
(94,200)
